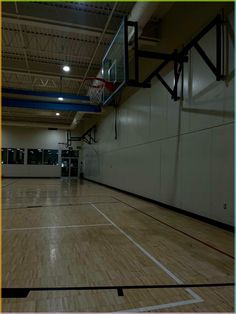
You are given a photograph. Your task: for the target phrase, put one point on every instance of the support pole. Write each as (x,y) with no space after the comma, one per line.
(218,50)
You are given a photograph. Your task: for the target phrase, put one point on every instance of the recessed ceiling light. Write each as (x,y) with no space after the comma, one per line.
(57,114)
(60,98)
(66,68)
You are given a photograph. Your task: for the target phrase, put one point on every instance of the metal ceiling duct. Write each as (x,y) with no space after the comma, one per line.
(142,13)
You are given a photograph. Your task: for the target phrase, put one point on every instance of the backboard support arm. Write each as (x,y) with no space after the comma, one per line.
(179,58)
(128,34)
(88,137)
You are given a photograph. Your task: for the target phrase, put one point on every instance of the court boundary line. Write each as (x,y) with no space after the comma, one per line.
(198,217)
(195,297)
(4,186)
(54,227)
(57,205)
(160,306)
(24,292)
(176,229)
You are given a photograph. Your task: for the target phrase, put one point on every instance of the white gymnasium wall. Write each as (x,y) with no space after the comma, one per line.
(178,153)
(25,137)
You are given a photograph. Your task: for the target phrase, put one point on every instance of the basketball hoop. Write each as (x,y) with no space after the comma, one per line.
(96,87)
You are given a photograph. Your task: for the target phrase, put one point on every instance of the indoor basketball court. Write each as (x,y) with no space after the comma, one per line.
(117,157)
(126,254)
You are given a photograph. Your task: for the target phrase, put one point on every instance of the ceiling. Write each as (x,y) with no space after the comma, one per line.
(39,38)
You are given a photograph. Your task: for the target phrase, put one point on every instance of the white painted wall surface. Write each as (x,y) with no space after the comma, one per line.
(32,137)
(24,137)
(178,153)
(31,171)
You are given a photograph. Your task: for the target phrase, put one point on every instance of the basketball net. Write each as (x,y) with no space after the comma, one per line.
(96,87)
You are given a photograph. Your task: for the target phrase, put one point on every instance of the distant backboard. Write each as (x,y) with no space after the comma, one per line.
(114,64)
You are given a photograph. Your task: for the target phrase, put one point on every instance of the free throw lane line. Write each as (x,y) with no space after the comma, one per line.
(161,306)
(196,297)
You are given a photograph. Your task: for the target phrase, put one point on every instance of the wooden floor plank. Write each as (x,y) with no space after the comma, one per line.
(90,235)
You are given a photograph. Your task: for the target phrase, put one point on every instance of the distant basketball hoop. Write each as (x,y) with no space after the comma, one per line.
(62,146)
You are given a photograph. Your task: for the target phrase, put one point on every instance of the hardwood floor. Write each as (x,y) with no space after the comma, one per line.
(60,233)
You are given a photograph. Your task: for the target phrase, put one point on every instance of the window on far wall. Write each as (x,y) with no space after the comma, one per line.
(16,156)
(35,157)
(50,157)
(4,156)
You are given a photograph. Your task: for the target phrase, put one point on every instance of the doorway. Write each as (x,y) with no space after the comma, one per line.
(69,164)
(69,167)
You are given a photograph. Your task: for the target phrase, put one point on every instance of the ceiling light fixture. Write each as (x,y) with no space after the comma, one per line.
(60,98)
(58,114)
(66,68)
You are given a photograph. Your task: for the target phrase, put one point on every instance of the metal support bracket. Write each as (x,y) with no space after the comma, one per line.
(134,83)
(177,71)
(158,55)
(181,57)
(216,69)
(88,137)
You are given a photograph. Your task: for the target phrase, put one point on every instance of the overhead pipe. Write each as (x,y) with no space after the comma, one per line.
(142,13)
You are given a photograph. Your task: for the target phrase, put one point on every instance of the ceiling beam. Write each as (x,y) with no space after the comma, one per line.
(36,124)
(61,27)
(44,94)
(41,74)
(16,103)
(70,28)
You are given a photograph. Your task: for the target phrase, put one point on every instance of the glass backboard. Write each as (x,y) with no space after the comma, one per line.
(114,64)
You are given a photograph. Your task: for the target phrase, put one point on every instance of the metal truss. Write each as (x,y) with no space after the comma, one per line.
(52,82)
(54,44)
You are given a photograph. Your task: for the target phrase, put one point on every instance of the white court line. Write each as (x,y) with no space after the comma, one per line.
(56,227)
(196,297)
(160,306)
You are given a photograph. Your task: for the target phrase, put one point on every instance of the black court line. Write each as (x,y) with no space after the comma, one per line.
(58,205)
(176,229)
(4,186)
(164,205)
(24,292)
